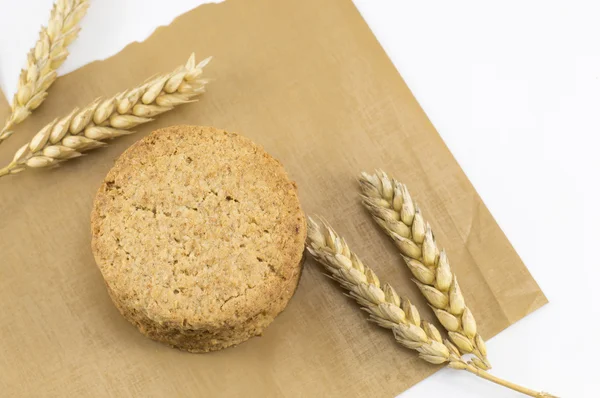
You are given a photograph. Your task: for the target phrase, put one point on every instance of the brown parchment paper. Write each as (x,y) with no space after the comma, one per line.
(308,81)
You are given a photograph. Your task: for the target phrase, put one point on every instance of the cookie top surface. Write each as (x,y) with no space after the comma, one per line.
(198,226)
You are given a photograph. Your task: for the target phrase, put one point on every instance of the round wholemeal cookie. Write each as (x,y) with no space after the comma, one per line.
(199,236)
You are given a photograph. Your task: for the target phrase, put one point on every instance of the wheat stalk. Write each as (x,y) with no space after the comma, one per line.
(87,128)
(43,60)
(386,308)
(392,207)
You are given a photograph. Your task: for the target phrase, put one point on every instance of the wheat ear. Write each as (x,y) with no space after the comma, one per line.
(44,59)
(85,129)
(386,308)
(392,207)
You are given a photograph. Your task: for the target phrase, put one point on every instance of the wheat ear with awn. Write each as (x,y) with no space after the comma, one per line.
(104,119)
(394,210)
(43,60)
(386,308)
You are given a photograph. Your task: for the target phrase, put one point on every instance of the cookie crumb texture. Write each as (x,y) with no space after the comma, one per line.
(199,236)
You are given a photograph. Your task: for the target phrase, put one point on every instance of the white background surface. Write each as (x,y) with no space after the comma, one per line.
(513,87)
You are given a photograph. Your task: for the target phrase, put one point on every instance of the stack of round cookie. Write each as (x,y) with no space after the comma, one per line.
(199,236)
